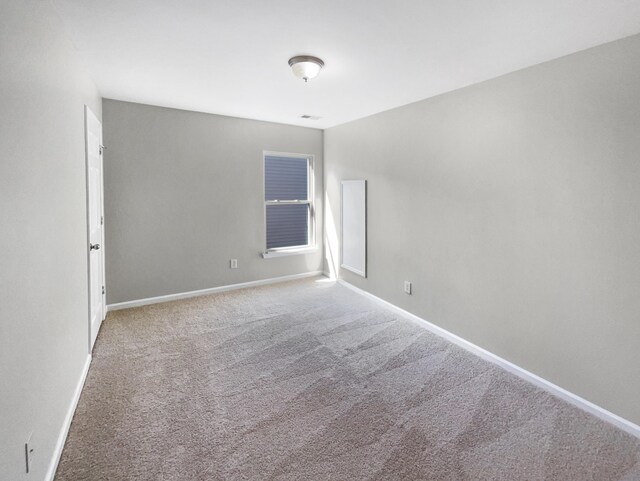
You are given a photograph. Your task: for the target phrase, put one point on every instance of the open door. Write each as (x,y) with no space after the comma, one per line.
(95,223)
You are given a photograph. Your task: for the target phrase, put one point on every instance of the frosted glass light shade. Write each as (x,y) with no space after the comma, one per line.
(305,67)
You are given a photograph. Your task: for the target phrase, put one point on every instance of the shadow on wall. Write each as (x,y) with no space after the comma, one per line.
(331,240)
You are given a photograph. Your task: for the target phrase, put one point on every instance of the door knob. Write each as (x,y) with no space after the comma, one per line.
(94,247)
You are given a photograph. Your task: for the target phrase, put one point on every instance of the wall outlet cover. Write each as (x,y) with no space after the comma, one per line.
(407,287)
(233,263)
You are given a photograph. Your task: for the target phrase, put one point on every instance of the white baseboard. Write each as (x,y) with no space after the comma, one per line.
(571,398)
(62,437)
(212,290)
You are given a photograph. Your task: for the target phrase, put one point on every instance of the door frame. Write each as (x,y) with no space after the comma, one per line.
(89,113)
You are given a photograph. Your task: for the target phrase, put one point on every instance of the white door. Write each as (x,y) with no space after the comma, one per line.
(95,222)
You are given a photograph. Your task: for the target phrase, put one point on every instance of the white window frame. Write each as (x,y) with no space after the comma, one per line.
(311,212)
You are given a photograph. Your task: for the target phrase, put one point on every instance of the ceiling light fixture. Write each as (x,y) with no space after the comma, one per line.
(305,66)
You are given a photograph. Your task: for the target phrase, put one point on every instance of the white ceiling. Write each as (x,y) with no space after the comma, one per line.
(230,56)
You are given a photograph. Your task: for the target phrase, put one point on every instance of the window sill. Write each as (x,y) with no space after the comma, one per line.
(289,252)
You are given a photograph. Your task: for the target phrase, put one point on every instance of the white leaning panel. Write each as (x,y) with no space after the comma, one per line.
(354,226)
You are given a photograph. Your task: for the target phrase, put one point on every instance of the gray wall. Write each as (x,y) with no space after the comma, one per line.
(43,238)
(514,208)
(184,194)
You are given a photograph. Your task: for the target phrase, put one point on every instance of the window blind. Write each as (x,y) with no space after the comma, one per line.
(285,178)
(287,201)
(287,225)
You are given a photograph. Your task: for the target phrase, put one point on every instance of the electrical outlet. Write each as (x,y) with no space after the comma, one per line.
(233,263)
(407,287)
(28,453)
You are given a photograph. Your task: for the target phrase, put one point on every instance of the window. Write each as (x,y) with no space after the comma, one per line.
(288,198)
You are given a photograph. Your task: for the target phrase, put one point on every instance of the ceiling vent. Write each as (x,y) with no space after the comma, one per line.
(310,117)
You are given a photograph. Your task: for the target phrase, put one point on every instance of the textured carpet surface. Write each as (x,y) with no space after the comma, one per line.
(308,380)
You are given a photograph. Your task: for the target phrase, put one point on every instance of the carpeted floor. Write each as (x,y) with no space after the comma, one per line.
(308,380)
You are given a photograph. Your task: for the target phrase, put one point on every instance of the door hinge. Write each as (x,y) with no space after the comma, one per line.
(103,290)
(101,220)
(102,149)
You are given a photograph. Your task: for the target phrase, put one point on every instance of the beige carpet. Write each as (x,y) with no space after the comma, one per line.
(311,381)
